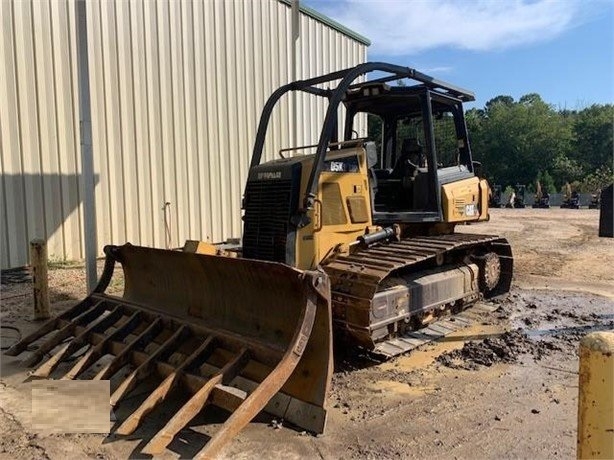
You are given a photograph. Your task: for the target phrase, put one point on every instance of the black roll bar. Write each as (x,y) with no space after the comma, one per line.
(335,96)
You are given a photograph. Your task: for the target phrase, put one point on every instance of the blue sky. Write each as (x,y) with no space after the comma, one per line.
(561,49)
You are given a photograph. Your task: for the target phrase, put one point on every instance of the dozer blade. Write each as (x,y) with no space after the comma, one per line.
(240,334)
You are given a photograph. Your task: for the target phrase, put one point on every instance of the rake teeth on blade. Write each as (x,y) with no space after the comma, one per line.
(240,334)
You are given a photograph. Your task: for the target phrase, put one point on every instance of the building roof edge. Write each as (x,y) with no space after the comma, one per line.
(330,22)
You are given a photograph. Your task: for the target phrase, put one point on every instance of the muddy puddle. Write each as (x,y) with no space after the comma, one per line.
(427,355)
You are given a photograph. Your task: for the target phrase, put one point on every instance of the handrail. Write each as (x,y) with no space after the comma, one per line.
(331,144)
(308,85)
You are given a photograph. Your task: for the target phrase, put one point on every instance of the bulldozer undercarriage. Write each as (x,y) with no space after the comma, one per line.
(382,295)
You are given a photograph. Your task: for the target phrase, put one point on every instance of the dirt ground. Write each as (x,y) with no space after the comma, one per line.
(503,388)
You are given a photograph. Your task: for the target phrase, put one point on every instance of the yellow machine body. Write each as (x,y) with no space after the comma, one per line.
(343,209)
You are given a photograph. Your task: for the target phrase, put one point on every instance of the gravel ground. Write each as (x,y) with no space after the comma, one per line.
(503,388)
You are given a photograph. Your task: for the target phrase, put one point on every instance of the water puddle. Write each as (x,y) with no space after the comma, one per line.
(422,357)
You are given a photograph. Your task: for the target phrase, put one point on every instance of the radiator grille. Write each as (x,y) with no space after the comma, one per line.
(268,205)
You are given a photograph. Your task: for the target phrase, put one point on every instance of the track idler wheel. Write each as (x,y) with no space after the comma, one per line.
(489,271)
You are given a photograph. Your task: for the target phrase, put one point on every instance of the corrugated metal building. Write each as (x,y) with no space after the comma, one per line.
(176,91)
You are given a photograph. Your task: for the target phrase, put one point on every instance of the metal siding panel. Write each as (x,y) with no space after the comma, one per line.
(6,34)
(79,244)
(192,151)
(152,83)
(4,226)
(177,90)
(275,80)
(49,166)
(98,100)
(330,46)
(287,59)
(245,122)
(232,200)
(305,121)
(213,145)
(25,53)
(320,105)
(258,90)
(291,101)
(141,123)
(167,116)
(242,133)
(263,73)
(181,221)
(115,153)
(202,121)
(128,127)
(222,116)
(314,102)
(67,150)
(13,191)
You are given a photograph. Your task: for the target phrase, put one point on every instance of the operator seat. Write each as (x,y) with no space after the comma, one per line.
(409,160)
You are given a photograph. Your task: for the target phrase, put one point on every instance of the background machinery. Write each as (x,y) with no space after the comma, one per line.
(595,200)
(606,214)
(571,198)
(542,199)
(351,237)
(495,199)
(519,192)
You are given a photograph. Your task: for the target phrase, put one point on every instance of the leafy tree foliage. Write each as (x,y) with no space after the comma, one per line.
(593,136)
(374,127)
(546,181)
(595,181)
(525,140)
(519,142)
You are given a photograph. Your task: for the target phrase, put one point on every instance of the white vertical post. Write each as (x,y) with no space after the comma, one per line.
(296,28)
(87,157)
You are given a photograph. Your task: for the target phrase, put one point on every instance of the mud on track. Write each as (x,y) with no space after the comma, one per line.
(503,388)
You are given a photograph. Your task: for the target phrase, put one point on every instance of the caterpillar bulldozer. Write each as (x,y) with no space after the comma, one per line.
(351,238)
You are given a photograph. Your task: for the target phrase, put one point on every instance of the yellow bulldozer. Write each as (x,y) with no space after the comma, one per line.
(351,239)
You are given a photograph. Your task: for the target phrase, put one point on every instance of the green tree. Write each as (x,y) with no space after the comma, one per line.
(565,169)
(546,181)
(504,100)
(515,140)
(595,181)
(374,127)
(519,141)
(593,129)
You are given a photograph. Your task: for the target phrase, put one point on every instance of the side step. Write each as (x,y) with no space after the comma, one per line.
(441,328)
(240,334)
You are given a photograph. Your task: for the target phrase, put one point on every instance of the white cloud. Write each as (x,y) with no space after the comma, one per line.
(438,69)
(401,27)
